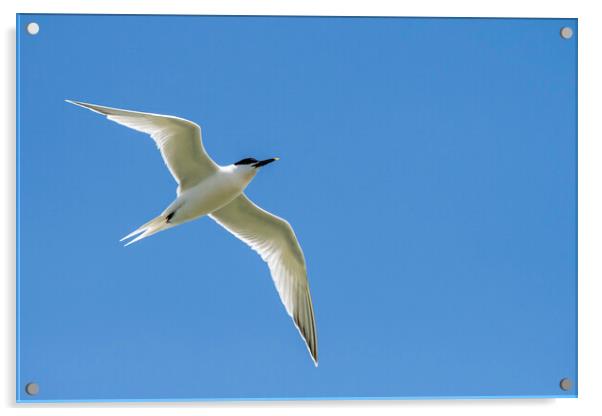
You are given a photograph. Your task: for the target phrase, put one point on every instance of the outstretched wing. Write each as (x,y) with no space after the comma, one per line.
(275,241)
(178,140)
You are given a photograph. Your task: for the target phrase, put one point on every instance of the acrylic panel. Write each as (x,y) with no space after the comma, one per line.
(428,168)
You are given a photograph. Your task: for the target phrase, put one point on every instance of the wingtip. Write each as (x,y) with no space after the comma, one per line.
(99,109)
(77,103)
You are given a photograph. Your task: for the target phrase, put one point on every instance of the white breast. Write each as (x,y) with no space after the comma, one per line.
(212,193)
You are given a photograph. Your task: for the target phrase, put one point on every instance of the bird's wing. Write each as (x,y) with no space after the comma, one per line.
(178,140)
(275,241)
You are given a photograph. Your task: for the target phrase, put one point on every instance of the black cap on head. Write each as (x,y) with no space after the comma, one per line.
(255,163)
(246,161)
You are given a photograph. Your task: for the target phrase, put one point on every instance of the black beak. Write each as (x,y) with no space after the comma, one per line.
(265,162)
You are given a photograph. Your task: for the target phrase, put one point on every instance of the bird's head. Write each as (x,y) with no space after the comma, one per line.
(251,163)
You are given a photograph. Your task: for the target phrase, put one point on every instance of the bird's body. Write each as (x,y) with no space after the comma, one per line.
(212,193)
(206,188)
(207,196)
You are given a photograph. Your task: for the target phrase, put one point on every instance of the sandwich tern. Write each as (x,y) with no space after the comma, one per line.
(206,188)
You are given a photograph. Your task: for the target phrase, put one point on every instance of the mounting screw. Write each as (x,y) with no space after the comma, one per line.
(33,28)
(566,384)
(32,389)
(566,32)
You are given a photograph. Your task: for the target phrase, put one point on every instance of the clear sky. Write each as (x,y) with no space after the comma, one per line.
(428,167)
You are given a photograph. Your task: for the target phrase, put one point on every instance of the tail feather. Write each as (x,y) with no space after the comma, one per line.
(146,230)
(139,230)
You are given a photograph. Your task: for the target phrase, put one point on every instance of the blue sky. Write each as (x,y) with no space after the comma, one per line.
(428,167)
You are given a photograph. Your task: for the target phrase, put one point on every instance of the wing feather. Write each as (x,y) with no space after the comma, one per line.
(274,240)
(178,140)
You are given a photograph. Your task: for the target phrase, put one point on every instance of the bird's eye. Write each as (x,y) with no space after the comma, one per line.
(246,161)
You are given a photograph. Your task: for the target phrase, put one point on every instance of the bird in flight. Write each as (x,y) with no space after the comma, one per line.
(206,188)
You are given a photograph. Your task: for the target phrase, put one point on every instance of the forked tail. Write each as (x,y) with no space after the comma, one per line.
(153,226)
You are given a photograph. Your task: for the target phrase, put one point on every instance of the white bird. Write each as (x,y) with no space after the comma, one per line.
(206,188)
